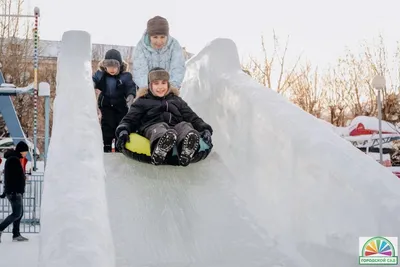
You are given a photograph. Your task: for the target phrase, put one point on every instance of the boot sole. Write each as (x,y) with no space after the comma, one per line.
(164,145)
(190,145)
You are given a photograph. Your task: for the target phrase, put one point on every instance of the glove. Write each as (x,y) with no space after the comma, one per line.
(206,136)
(122,139)
(3,195)
(129,100)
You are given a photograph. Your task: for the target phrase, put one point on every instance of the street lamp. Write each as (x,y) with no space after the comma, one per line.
(379,83)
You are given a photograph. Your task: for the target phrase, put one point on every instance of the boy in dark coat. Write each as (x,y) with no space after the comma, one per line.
(159,114)
(14,188)
(116,91)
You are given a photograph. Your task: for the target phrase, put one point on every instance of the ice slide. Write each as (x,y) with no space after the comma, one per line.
(279,189)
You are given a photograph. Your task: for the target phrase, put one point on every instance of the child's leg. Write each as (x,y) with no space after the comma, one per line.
(162,139)
(118,115)
(155,131)
(188,142)
(107,128)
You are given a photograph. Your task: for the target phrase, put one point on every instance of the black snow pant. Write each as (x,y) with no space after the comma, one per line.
(110,119)
(15,217)
(155,131)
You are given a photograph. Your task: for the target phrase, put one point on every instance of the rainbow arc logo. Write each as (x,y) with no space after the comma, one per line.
(378,250)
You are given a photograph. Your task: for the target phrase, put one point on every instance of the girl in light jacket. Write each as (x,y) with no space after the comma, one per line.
(158,49)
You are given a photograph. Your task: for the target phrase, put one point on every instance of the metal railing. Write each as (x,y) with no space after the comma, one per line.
(30,222)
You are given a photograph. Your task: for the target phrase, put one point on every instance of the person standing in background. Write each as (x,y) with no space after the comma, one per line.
(14,188)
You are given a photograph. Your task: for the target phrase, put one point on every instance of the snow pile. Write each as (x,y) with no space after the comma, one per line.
(341,131)
(371,123)
(309,190)
(75,226)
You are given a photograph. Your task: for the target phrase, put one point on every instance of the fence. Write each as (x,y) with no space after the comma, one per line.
(30,222)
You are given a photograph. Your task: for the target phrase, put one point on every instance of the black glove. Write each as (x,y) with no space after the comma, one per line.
(206,136)
(202,126)
(3,195)
(122,139)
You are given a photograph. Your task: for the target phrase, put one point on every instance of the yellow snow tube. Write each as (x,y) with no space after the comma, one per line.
(138,144)
(138,148)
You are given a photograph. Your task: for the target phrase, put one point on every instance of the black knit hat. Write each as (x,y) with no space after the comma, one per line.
(114,54)
(22,147)
(112,58)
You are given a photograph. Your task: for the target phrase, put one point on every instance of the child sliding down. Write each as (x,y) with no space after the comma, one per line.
(160,115)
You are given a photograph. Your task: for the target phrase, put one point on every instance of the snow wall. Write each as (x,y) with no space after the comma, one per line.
(312,192)
(75,228)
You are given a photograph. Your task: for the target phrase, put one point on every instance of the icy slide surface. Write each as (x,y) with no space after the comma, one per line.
(279,189)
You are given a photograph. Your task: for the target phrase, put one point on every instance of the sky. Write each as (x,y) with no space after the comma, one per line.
(318,29)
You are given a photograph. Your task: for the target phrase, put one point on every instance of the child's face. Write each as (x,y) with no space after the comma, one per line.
(112,70)
(159,88)
(158,41)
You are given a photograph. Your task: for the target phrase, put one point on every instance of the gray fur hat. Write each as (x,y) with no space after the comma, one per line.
(158,74)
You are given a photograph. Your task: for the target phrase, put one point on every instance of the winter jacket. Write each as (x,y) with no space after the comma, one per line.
(114,89)
(14,175)
(148,109)
(170,58)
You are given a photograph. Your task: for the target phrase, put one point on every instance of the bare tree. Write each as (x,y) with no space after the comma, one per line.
(357,72)
(277,61)
(16,50)
(98,53)
(306,91)
(17,55)
(336,89)
(344,91)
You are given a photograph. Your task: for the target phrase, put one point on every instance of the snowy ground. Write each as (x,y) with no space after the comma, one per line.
(13,254)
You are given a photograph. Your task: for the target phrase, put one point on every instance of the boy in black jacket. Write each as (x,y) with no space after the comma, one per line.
(159,114)
(14,188)
(115,91)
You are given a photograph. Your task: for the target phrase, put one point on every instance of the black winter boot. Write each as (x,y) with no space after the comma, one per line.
(190,145)
(163,146)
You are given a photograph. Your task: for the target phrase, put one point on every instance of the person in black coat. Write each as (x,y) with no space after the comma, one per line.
(115,91)
(14,188)
(159,114)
